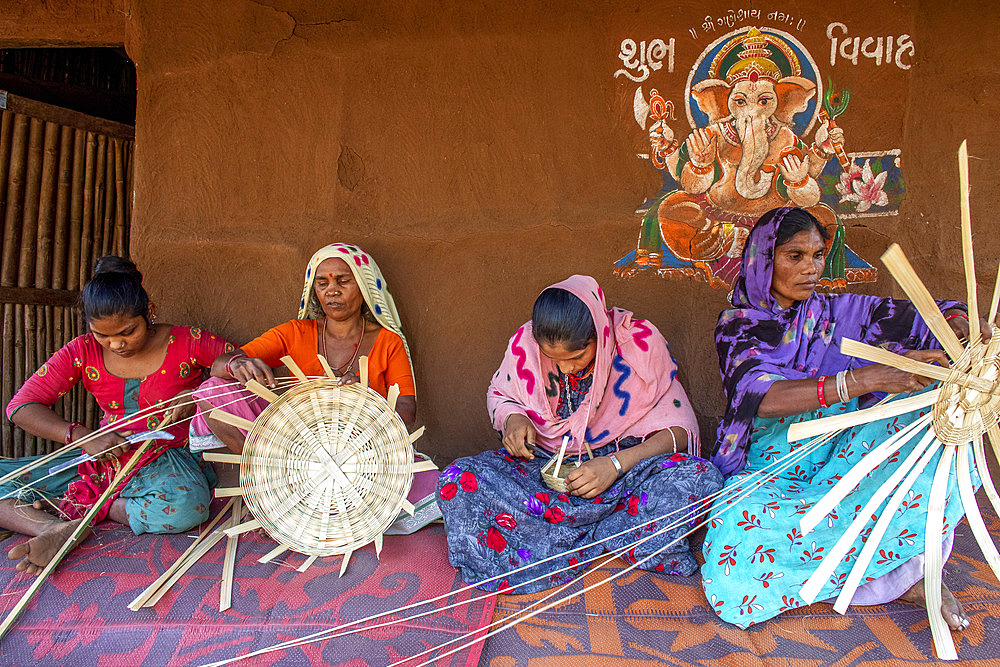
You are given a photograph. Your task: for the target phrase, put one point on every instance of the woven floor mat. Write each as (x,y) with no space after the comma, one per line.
(651,619)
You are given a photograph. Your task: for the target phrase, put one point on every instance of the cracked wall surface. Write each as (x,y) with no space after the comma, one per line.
(480,152)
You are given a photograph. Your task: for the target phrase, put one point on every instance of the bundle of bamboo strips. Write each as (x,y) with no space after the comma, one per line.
(65,184)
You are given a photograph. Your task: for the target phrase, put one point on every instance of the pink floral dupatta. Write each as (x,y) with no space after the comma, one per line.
(635,391)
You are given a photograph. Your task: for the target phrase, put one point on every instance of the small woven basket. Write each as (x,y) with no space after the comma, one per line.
(326,467)
(558,483)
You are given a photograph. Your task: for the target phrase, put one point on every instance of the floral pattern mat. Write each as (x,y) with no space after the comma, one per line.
(651,619)
(80,615)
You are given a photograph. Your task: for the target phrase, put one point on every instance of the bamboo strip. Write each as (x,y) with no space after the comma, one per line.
(363,369)
(995,303)
(835,556)
(903,272)
(853,348)
(62,205)
(423,466)
(393,396)
(972,513)
(294,368)
(239,422)
(6,140)
(84,524)
(108,213)
(29,220)
(121,196)
(854,476)
(243,528)
(216,457)
(228,491)
(30,338)
(406,506)
(199,552)
(810,429)
(987,479)
(87,220)
(45,243)
(13,202)
(934,558)
(140,601)
(272,554)
(100,194)
(76,211)
(416,434)
(378,544)
(262,391)
(967,255)
(308,562)
(878,530)
(345,561)
(229,561)
(18,370)
(7,386)
(329,371)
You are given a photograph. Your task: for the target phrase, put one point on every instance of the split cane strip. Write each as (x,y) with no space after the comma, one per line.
(84,524)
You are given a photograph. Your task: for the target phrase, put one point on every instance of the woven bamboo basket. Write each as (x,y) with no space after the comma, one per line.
(558,483)
(326,468)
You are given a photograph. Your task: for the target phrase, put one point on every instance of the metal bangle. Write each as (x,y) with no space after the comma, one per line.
(618,465)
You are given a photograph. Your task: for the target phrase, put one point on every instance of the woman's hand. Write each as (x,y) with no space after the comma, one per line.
(348,378)
(245,369)
(517,430)
(592,478)
(960,325)
(877,377)
(107,445)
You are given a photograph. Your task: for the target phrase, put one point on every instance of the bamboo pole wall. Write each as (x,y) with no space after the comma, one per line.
(65,201)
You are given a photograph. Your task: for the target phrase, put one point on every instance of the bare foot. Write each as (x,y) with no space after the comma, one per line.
(951,608)
(36,553)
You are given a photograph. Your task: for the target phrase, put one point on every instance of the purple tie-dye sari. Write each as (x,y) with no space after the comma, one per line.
(759,342)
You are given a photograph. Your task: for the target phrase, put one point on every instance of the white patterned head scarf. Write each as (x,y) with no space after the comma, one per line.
(369,279)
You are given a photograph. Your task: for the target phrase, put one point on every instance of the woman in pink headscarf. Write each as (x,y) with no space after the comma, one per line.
(606,382)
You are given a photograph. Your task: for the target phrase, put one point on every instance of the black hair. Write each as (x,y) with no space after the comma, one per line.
(115,289)
(560,317)
(795,221)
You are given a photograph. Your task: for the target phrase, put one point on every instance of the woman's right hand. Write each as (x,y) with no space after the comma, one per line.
(517,430)
(877,377)
(245,369)
(107,445)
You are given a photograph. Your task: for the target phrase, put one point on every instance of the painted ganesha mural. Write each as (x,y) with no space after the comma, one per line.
(763,133)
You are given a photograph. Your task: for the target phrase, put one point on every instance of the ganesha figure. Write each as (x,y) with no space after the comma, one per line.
(745,161)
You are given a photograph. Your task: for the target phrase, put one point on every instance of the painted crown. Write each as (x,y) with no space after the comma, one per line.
(755,61)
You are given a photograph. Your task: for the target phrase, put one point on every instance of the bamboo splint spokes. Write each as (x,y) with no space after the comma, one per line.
(969,261)
(853,348)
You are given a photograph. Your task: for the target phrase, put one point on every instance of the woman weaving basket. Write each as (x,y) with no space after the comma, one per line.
(779,349)
(608,383)
(346,312)
(130,364)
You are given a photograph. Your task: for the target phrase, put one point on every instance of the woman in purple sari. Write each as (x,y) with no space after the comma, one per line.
(779,351)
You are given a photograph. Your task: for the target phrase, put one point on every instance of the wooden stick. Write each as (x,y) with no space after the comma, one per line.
(87,220)
(363,369)
(853,348)
(272,554)
(934,558)
(972,513)
(968,259)
(308,562)
(140,601)
(15,192)
(262,391)
(903,272)
(229,562)
(76,211)
(228,491)
(416,434)
(221,415)
(61,231)
(218,457)
(29,221)
(84,524)
(47,206)
(294,368)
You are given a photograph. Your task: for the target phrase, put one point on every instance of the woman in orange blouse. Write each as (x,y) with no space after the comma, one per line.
(346,312)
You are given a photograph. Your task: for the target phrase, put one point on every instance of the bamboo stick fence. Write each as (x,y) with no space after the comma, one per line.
(65,200)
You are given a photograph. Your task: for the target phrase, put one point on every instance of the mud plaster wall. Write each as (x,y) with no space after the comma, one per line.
(481,152)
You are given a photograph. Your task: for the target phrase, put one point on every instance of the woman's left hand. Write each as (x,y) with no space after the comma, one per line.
(960,325)
(348,378)
(592,478)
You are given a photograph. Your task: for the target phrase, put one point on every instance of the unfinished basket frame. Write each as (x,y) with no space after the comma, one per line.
(966,406)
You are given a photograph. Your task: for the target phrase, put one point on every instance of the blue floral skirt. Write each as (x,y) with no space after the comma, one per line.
(756,558)
(500,516)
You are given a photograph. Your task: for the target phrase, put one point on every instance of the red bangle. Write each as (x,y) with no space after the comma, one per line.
(954,315)
(69,432)
(821,392)
(230,370)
